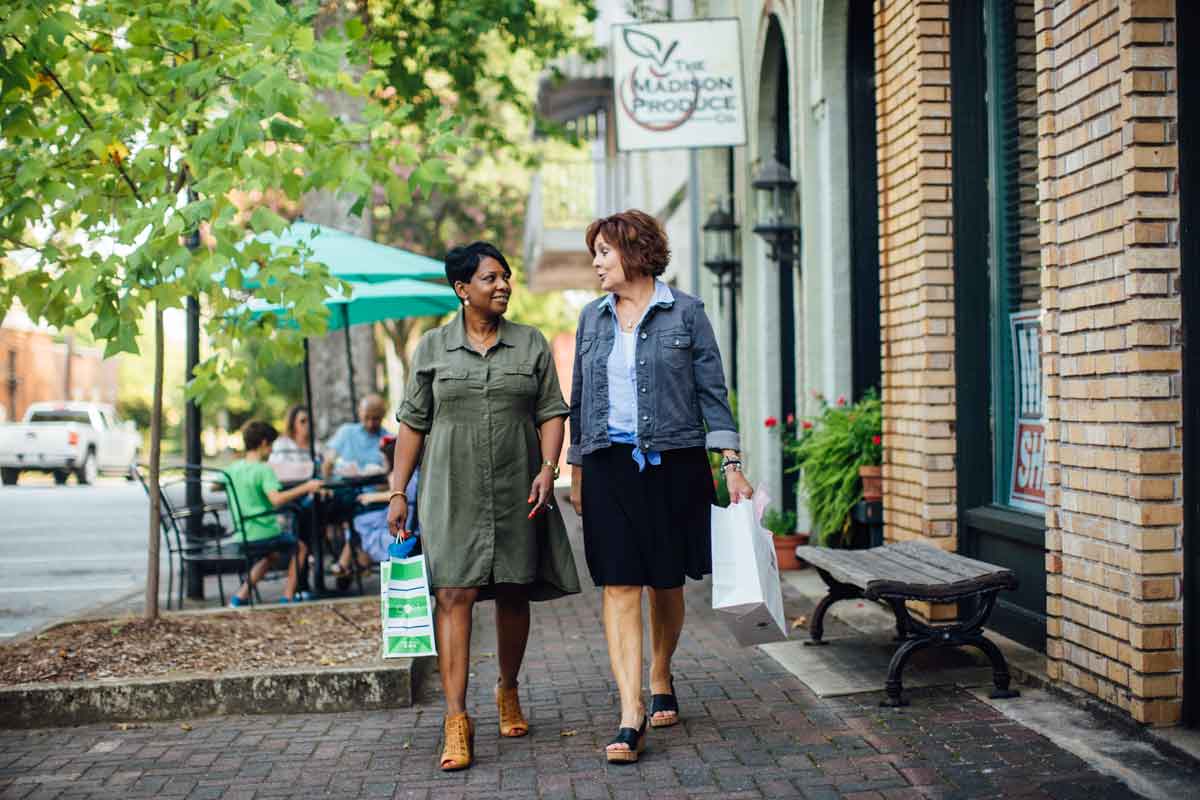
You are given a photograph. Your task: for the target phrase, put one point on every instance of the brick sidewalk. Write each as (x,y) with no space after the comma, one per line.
(750,730)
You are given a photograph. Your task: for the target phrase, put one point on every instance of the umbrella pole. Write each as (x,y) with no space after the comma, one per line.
(313,518)
(312,423)
(349,361)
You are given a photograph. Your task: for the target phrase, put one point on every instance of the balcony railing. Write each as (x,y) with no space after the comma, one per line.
(568,194)
(564,198)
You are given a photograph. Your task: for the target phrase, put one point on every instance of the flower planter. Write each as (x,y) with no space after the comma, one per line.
(785,550)
(872,483)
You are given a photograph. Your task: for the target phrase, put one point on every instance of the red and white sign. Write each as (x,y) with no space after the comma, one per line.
(1027,489)
(679,84)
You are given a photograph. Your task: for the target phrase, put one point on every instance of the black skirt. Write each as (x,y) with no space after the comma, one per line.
(648,528)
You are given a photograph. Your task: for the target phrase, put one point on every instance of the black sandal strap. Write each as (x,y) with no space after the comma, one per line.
(664,703)
(630,736)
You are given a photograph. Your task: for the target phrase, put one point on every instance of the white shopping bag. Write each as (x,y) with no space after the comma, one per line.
(745,576)
(405,608)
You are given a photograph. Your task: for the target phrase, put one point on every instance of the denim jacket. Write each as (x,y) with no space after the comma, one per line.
(681,383)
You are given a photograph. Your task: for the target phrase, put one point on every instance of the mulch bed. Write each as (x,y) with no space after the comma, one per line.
(312,634)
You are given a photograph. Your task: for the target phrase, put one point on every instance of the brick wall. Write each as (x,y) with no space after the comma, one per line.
(912,51)
(32,369)
(1112,361)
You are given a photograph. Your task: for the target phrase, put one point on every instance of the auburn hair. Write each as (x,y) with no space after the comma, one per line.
(637,237)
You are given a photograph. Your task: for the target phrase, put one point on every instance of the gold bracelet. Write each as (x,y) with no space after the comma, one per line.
(397,493)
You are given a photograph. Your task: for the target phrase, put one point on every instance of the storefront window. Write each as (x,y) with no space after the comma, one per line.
(1018,405)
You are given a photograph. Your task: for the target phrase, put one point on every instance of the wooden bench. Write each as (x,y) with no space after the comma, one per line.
(905,571)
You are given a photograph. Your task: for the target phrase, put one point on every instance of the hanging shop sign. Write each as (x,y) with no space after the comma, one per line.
(1027,488)
(679,84)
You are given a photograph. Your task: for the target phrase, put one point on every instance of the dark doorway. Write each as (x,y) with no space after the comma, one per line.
(1188,71)
(864,198)
(787,269)
(990,82)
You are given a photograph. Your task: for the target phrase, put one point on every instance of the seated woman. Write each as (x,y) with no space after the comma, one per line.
(371,523)
(291,457)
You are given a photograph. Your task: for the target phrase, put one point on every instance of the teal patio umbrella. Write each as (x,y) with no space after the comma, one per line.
(353,258)
(365,303)
(360,261)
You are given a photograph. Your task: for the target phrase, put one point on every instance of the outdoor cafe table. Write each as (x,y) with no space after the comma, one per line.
(333,485)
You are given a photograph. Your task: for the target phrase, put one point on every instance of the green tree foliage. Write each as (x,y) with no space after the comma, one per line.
(129,127)
(483,59)
(476,57)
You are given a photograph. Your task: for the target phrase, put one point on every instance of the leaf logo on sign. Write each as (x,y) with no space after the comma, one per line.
(646,45)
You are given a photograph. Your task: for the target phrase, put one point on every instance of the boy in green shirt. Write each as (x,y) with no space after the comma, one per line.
(259,493)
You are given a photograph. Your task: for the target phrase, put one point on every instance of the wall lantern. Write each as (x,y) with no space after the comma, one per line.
(775,192)
(721,246)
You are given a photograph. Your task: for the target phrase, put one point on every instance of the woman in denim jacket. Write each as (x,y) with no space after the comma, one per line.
(648,400)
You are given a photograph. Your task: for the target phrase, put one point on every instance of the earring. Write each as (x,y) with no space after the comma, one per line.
(466,301)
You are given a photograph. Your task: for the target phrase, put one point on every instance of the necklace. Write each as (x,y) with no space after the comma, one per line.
(480,345)
(632,319)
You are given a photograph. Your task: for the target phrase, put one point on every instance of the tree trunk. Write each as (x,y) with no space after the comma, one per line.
(330,373)
(156,413)
(331,377)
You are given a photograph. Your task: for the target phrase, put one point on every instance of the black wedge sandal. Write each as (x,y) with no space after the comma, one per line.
(634,739)
(664,704)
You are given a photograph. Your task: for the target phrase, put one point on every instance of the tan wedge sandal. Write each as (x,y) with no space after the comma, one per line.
(512,721)
(459,749)
(634,740)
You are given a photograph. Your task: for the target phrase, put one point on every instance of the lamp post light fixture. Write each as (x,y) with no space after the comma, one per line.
(721,246)
(721,256)
(775,191)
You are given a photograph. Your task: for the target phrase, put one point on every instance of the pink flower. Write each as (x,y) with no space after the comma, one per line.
(841,400)
(791,419)
(770,422)
(876,439)
(806,425)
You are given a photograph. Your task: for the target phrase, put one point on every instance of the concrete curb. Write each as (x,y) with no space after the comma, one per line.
(292,691)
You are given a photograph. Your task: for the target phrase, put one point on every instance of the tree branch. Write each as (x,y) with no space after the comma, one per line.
(78,110)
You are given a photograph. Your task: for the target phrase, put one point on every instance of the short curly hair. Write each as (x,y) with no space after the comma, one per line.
(637,236)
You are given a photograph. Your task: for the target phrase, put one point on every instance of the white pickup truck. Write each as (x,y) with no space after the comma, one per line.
(66,438)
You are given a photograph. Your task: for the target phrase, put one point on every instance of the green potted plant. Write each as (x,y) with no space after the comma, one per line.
(782,525)
(839,454)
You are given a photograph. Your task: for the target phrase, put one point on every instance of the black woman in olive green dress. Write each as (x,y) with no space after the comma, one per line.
(483,401)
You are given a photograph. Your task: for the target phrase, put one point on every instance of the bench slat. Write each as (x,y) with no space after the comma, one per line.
(952,562)
(861,567)
(898,565)
(911,569)
(930,561)
(841,564)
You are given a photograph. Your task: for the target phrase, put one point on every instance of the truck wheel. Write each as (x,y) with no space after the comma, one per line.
(86,474)
(8,475)
(60,476)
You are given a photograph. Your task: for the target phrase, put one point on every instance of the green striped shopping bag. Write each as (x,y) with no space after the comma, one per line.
(405,605)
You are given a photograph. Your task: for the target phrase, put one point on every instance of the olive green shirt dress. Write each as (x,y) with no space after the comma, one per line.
(481,416)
